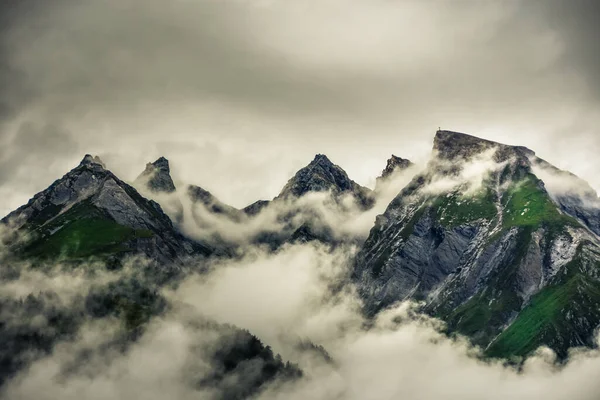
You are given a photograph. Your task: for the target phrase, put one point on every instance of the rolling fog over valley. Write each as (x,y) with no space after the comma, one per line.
(299,200)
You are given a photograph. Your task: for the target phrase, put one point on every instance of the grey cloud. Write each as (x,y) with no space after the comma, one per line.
(577,21)
(271,83)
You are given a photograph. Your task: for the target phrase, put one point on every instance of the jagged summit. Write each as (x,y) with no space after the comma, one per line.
(162,163)
(155,181)
(322,175)
(157,177)
(395,163)
(452,145)
(321,158)
(88,159)
(319,175)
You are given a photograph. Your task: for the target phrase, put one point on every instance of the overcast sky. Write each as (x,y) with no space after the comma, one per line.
(239,94)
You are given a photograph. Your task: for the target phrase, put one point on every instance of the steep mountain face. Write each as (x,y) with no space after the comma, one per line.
(322,175)
(90,212)
(479,239)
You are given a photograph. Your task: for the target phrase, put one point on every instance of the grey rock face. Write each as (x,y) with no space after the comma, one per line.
(413,264)
(92,161)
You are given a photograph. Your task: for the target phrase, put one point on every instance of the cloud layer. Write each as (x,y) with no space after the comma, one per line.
(286,299)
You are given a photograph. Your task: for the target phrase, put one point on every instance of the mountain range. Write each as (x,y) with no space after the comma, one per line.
(491,239)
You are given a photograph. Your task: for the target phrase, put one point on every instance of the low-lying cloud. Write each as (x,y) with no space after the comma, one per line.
(290,298)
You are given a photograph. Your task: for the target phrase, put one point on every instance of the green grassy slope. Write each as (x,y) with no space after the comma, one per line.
(81,232)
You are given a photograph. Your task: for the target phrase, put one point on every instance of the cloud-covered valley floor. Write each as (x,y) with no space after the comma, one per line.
(287,299)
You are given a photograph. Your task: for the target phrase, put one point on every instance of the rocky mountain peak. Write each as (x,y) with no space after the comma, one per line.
(162,164)
(321,159)
(450,145)
(90,160)
(490,261)
(395,163)
(321,175)
(157,177)
(318,176)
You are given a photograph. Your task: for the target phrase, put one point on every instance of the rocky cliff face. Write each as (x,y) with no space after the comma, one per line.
(479,239)
(91,212)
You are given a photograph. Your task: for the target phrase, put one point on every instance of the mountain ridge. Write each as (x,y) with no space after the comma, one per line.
(92,204)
